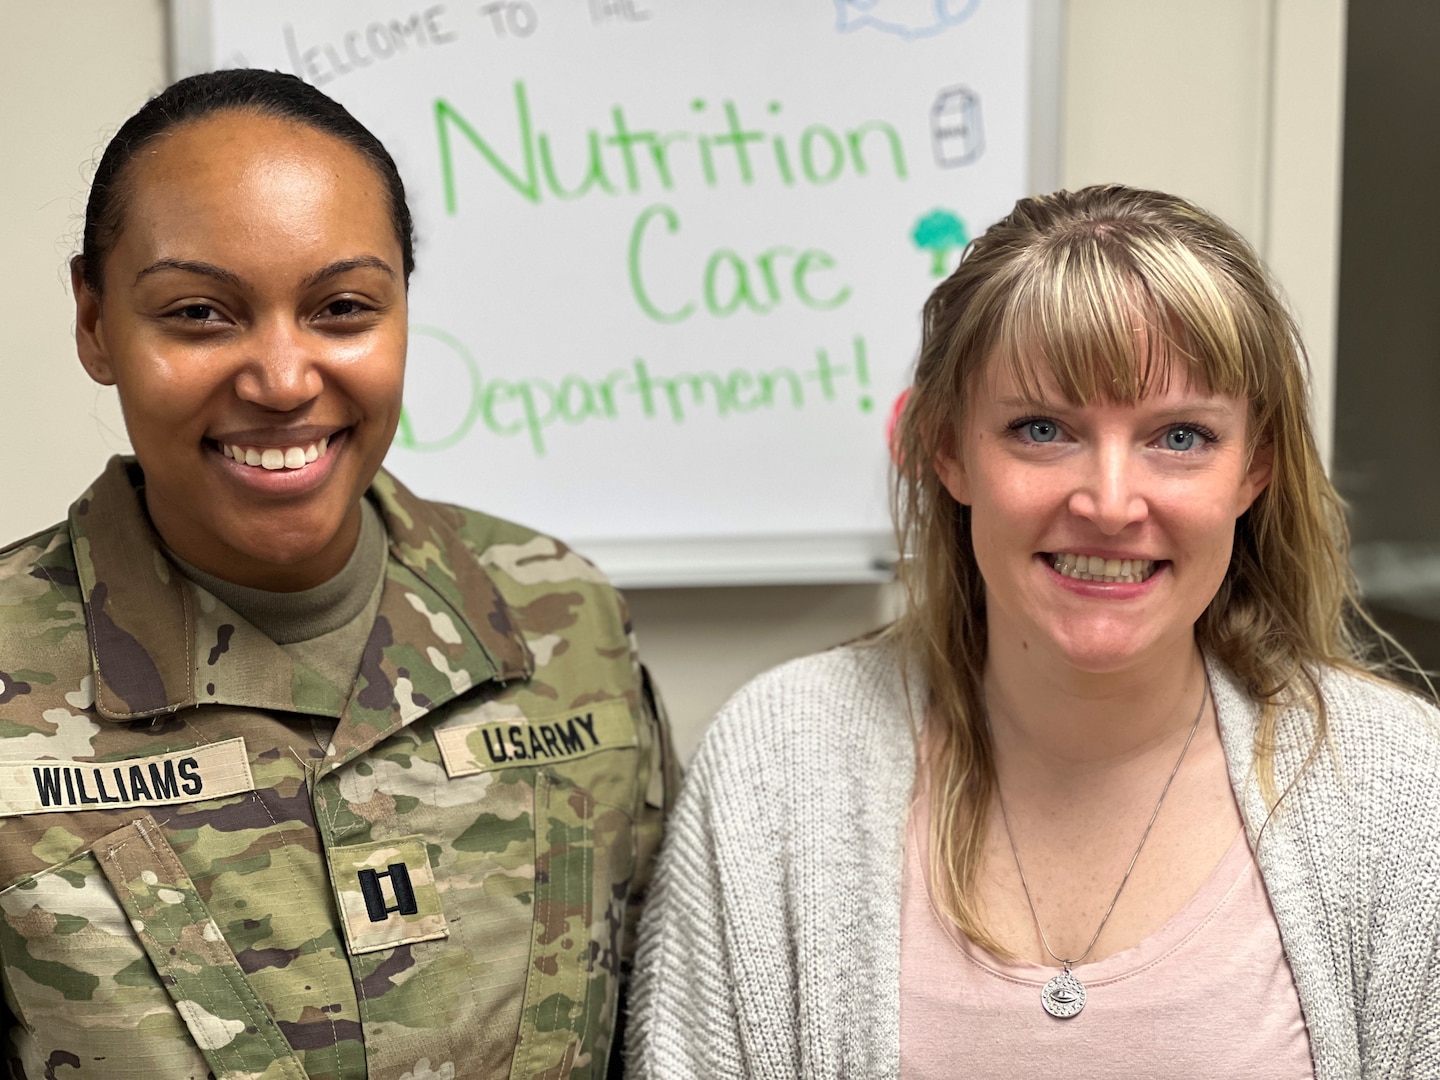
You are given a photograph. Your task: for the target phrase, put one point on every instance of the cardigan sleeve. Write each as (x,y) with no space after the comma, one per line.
(683,1018)
(770,943)
(1393,747)
(1425,1048)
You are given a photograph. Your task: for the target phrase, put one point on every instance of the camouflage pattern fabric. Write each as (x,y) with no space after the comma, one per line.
(212,863)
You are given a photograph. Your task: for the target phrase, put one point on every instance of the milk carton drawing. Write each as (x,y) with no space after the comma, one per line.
(956,131)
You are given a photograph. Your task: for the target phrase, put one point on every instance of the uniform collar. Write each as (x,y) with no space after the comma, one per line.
(141,623)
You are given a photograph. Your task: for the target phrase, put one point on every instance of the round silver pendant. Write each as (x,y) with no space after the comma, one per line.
(1063,996)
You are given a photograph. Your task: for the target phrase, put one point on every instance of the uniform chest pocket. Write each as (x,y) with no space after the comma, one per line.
(117,970)
(584,861)
(581,770)
(513,841)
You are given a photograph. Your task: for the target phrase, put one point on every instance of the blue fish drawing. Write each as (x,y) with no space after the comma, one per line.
(912,20)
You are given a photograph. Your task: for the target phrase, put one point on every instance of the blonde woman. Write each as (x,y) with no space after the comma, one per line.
(1122,793)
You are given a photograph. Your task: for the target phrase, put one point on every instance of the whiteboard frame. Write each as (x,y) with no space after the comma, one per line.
(798,559)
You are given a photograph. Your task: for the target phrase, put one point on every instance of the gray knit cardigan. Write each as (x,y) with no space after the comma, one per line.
(770,945)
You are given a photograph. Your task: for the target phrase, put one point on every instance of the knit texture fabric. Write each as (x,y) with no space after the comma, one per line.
(770,945)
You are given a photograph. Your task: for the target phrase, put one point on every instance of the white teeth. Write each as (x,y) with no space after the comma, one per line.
(274,458)
(1094,568)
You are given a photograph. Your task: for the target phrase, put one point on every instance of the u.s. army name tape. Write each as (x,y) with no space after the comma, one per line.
(501,744)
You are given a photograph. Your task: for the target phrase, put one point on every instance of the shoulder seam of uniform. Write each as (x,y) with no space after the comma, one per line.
(16,545)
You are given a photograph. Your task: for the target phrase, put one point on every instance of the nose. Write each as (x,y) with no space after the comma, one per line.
(1109,491)
(281,372)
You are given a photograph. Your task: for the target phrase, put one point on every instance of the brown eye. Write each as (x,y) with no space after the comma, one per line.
(197,312)
(342,308)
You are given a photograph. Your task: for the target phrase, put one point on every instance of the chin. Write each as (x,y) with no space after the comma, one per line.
(1101,654)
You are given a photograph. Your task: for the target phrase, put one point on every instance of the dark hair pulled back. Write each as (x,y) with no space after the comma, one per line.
(266,93)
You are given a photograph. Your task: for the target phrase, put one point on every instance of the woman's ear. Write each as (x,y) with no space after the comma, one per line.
(1257,476)
(950,468)
(89,333)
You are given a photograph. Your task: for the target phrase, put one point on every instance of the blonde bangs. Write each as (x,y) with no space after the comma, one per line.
(1115,316)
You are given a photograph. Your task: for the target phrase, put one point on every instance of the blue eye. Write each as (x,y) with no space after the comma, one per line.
(1042,431)
(1187,437)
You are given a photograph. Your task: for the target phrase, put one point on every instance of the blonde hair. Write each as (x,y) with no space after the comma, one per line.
(1063,282)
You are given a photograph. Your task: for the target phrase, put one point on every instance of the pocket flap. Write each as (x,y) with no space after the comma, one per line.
(231,1027)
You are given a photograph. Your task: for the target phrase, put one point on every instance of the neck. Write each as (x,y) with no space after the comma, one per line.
(1054,721)
(305,569)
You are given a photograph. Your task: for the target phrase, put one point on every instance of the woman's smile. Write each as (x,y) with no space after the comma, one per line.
(290,467)
(1110,569)
(295,456)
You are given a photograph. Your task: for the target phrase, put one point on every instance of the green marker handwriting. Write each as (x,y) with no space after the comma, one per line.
(728,281)
(624,159)
(529,406)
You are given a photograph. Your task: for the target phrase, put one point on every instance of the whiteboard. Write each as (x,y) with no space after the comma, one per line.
(671,256)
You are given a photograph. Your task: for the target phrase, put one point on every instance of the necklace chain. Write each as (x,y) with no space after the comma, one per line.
(1067,964)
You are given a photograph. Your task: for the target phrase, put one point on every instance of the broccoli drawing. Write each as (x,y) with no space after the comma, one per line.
(939,232)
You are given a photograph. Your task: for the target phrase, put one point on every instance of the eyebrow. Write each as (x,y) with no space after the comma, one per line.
(1203,408)
(190,266)
(195,266)
(343,266)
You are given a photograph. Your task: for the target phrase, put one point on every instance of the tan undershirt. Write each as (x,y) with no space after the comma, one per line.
(324,628)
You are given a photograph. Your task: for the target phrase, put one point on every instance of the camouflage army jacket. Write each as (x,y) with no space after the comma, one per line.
(213,863)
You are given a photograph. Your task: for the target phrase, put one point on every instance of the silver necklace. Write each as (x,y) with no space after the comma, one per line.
(1064,995)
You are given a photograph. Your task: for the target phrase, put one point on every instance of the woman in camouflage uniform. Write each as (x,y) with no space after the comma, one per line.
(300,775)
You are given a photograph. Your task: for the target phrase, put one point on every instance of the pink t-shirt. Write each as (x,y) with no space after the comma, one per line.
(1208,995)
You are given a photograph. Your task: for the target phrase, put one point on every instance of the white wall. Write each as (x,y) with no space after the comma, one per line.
(1233,103)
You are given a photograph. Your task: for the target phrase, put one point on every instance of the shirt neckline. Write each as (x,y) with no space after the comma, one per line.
(1199,911)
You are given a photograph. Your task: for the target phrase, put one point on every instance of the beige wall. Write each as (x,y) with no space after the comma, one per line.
(62,94)
(1236,104)
(1233,103)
